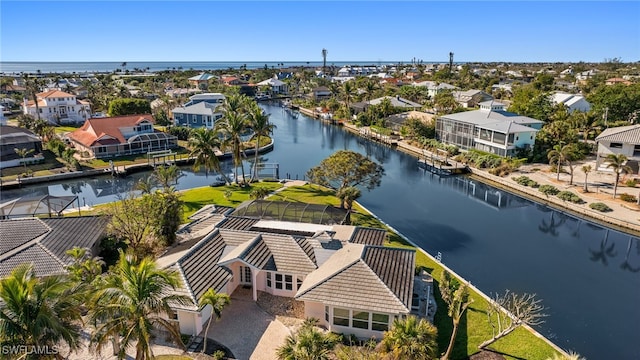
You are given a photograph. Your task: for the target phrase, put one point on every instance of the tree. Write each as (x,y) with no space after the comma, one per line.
(347,196)
(308,343)
(348,89)
(531,101)
(512,310)
(129,106)
(23,153)
(167,175)
(619,101)
(131,301)
(84,268)
(410,339)
(259,193)
(232,125)
(132,223)
(203,144)
(346,168)
(617,162)
(586,169)
(560,155)
(457,298)
(217,302)
(259,122)
(444,102)
(40,312)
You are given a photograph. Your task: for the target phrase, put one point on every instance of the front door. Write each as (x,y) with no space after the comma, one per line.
(245,275)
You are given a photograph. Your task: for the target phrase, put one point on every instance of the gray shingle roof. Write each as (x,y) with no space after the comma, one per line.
(238,223)
(624,134)
(357,277)
(495,120)
(43,242)
(368,236)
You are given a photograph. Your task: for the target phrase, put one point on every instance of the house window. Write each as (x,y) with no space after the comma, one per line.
(340,317)
(360,320)
(173,315)
(326,314)
(616,145)
(279,281)
(288,282)
(269,283)
(379,322)
(298,282)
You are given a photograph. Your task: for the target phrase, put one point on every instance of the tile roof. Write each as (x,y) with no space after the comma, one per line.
(94,129)
(54,94)
(43,242)
(357,277)
(624,134)
(238,223)
(368,236)
(236,238)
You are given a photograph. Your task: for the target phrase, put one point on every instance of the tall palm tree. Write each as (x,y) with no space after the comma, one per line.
(586,169)
(41,312)
(370,88)
(410,339)
(130,303)
(617,162)
(232,125)
(558,155)
(308,343)
(259,122)
(347,196)
(203,144)
(23,153)
(217,302)
(348,90)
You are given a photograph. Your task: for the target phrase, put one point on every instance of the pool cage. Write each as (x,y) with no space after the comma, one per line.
(292,211)
(46,205)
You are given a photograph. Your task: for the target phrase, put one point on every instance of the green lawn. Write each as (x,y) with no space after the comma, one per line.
(474,329)
(64,129)
(45,168)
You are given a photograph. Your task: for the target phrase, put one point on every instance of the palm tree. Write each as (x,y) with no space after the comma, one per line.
(347,196)
(203,144)
(23,153)
(586,169)
(617,162)
(308,343)
(259,122)
(130,303)
(145,185)
(370,87)
(41,312)
(167,175)
(347,92)
(217,302)
(560,154)
(410,339)
(232,125)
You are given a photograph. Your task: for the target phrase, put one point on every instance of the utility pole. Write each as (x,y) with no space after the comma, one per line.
(450,63)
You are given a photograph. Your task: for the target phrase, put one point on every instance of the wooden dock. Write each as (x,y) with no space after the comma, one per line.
(440,167)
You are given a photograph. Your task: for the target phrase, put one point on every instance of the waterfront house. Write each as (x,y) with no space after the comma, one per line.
(276,87)
(120,135)
(619,140)
(201,81)
(201,114)
(262,245)
(11,138)
(434,88)
(43,242)
(471,98)
(396,121)
(396,102)
(573,102)
(320,93)
(58,107)
(490,129)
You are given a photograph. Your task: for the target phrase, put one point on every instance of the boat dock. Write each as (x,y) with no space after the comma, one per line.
(440,166)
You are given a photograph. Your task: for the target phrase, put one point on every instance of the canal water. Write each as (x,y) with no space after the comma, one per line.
(588,276)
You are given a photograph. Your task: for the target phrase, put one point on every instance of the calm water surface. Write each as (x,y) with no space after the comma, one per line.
(588,276)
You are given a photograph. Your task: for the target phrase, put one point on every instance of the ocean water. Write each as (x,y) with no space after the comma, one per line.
(17,67)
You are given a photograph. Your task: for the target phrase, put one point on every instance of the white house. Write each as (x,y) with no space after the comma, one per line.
(619,140)
(573,102)
(433,88)
(276,86)
(490,129)
(57,106)
(312,262)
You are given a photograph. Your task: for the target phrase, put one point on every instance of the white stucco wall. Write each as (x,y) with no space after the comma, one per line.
(315,310)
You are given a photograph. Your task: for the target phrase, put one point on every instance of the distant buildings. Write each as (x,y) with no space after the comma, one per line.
(201,81)
(276,87)
(573,102)
(490,129)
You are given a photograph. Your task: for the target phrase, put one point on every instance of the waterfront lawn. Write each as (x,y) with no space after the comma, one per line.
(44,168)
(195,199)
(474,328)
(181,153)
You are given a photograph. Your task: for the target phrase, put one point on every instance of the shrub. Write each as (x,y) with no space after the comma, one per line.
(628,197)
(526,181)
(631,183)
(569,196)
(602,207)
(548,190)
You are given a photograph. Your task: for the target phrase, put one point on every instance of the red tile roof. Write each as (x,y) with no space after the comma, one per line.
(96,129)
(54,94)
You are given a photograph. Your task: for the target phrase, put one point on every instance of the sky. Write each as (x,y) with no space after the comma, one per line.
(512,31)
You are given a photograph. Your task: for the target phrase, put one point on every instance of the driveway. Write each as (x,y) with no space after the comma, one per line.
(247,330)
